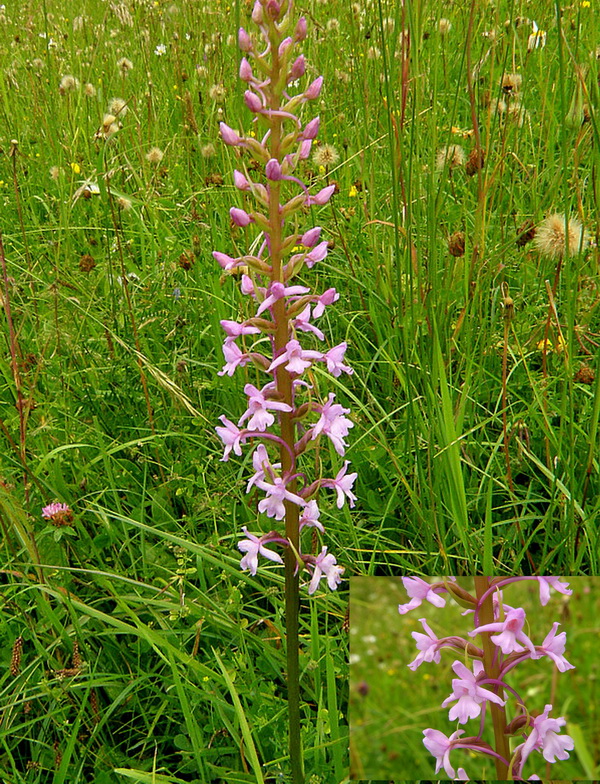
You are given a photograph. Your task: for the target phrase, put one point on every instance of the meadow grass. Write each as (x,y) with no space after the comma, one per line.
(476,420)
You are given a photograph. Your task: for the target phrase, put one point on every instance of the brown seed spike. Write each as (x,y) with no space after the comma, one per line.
(15,659)
(525,233)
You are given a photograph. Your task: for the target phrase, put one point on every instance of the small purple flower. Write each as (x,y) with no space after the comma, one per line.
(419,590)
(551,582)
(334,424)
(318,253)
(468,693)
(342,485)
(240,217)
(225,261)
(231,436)
(428,646)
(310,517)
(253,547)
(298,359)
(276,491)
(510,630)
(233,329)
(544,738)
(314,89)
(440,746)
(228,135)
(54,509)
(259,407)
(327,298)
(302,322)
(278,291)
(234,357)
(322,197)
(326,566)
(334,359)
(554,647)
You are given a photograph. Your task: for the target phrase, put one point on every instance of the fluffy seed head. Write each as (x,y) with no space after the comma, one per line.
(124,203)
(326,155)
(444,26)
(118,107)
(217,93)
(89,90)
(68,84)
(550,239)
(124,65)
(451,156)
(154,155)
(511,83)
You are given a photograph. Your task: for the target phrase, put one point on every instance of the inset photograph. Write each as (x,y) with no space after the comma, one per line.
(474,678)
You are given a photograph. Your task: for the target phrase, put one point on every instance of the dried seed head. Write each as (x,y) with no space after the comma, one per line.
(86,263)
(511,83)
(117,107)
(508,304)
(15,659)
(552,241)
(124,65)
(525,233)
(217,93)
(444,27)
(585,375)
(326,155)
(76,656)
(456,244)
(124,203)
(68,84)
(451,156)
(155,155)
(475,161)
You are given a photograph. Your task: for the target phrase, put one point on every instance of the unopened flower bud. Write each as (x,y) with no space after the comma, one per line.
(245,70)
(305,149)
(240,217)
(314,89)
(244,40)
(284,46)
(298,68)
(462,597)
(273,170)
(273,9)
(311,237)
(252,101)
(228,135)
(323,196)
(257,13)
(240,181)
(311,129)
(300,31)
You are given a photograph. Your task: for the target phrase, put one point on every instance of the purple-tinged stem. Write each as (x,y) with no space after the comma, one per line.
(492,664)
(283,380)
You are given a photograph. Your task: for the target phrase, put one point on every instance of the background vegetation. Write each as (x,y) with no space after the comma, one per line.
(109,393)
